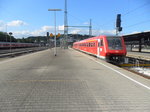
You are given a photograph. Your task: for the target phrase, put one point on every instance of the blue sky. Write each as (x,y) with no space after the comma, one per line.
(31,17)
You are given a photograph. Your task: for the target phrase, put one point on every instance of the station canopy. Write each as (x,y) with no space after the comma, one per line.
(145,36)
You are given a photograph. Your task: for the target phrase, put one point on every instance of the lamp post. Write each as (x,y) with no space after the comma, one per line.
(10,33)
(6,32)
(55,26)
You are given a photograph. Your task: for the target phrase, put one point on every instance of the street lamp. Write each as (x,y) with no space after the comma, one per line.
(10,33)
(55,26)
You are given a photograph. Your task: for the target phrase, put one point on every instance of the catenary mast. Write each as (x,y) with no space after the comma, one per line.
(65,27)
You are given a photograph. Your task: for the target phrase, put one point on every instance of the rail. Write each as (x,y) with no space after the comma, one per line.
(16,52)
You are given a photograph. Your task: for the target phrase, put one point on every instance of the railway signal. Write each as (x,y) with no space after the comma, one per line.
(47,34)
(118,24)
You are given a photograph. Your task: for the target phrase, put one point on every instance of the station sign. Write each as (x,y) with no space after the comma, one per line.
(51,35)
(58,35)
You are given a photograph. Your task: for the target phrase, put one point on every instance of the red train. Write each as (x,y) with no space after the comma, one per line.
(110,48)
(5,45)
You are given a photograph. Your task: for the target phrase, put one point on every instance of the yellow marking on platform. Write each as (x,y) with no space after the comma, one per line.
(135,65)
(42,80)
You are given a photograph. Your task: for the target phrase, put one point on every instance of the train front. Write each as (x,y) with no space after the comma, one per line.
(115,49)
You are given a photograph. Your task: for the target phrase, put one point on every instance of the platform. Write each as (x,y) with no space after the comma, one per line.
(69,82)
(139,55)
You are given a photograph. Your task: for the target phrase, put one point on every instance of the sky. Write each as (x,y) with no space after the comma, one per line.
(31,17)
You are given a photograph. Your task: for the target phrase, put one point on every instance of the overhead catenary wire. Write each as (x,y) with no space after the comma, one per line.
(112,20)
(142,22)
(137,8)
(129,12)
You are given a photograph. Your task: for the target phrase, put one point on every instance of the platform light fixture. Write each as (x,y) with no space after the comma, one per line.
(55,52)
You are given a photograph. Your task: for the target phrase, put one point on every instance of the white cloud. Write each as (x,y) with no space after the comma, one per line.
(60,29)
(135,32)
(39,32)
(94,32)
(86,23)
(20,34)
(47,28)
(16,23)
(2,25)
(104,32)
(76,31)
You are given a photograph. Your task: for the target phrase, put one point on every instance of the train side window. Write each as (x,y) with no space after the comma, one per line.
(94,44)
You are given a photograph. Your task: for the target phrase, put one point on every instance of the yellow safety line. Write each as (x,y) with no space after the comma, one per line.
(132,65)
(42,80)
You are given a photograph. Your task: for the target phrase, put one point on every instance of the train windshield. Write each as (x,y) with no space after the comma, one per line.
(114,43)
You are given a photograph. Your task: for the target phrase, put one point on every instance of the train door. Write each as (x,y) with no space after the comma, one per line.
(98,48)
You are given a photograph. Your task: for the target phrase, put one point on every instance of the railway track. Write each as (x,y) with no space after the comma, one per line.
(16,52)
(132,64)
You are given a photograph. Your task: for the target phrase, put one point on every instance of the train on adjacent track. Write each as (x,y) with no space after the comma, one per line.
(6,45)
(109,48)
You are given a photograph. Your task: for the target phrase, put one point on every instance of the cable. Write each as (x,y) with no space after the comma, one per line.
(147,3)
(146,21)
(112,20)
(77,18)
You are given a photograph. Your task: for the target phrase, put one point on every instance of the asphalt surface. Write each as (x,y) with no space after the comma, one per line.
(69,82)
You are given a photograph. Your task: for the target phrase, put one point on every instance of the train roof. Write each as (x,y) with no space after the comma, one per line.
(94,38)
(88,39)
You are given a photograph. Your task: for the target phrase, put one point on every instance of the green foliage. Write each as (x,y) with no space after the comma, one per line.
(5,37)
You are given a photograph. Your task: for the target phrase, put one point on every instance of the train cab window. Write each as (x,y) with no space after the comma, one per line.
(114,43)
(101,42)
